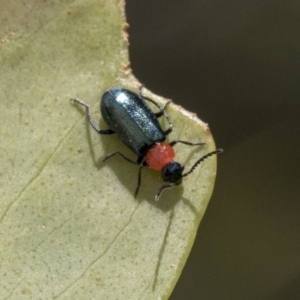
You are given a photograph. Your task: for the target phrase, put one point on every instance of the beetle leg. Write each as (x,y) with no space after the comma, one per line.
(169,130)
(122,155)
(161,110)
(89,117)
(142,165)
(187,143)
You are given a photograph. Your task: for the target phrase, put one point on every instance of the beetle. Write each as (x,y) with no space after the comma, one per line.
(129,117)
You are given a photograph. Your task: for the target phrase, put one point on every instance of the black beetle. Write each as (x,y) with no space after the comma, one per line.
(130,118)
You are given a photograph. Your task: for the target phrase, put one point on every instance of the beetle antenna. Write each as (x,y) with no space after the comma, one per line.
(201,160)
(162,188)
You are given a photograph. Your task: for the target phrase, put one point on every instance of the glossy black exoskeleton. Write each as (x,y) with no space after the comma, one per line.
(130,118)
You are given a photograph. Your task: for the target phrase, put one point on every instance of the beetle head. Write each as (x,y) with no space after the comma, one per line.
(172,172)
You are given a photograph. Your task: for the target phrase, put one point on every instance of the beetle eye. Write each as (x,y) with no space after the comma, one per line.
(172,172)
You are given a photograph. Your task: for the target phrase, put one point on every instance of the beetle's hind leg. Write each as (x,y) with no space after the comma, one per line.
(122,155)
(89,117)
(161,109)
(162,112)
(138,162)
(142,165)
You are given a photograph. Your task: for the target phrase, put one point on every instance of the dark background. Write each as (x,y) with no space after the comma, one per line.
(237,65)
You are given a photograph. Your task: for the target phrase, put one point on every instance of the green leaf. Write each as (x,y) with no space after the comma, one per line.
(70,227)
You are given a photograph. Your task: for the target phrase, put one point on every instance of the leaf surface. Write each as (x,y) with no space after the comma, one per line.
(70,227)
